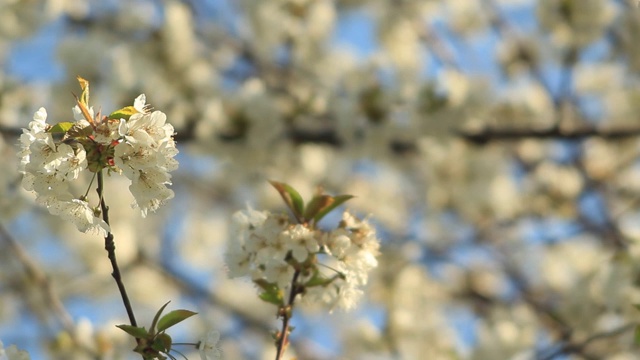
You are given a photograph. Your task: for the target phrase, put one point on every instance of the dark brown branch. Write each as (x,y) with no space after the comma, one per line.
(490,135)
(286,313)
(10,132)
(579,347)
(110,246)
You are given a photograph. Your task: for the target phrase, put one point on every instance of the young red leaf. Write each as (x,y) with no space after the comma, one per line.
(83,101)
(337,201)
(84,97)
(316,204)
(291,197)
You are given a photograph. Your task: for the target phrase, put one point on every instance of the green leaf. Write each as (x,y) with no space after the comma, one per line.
(173,318)
(318,280)
(137,332)
(636,335)
(162,343)
(155,318)
(61,127)
(264,284)
(291,197)
(337,201)
(273,296)
(637,306)
(124,113)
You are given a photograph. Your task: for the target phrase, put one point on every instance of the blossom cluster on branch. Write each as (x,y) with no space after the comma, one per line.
(133,141)
(333,265)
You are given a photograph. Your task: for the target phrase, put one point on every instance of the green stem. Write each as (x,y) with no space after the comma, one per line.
(91,183)
(110,246)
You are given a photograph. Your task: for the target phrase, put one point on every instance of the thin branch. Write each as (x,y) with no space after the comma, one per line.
(286,313)
(487,135)
(110,246)
(578,347)
(436,46)
(502,28)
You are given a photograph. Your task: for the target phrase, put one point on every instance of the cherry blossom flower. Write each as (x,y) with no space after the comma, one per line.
(208,346)
(149,189)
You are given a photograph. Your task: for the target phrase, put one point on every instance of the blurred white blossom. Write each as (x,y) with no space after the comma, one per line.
(208,346)
(575,22)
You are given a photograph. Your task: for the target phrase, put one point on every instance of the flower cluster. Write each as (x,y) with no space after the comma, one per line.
(332,266)
(132,141)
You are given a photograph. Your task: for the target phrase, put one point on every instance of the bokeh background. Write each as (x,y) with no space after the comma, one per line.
(493,143)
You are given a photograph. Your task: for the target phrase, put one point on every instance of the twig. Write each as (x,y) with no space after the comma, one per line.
(110,246)
(487,135)
(285,313)
(569,347)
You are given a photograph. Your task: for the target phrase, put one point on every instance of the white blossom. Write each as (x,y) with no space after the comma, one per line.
(140,104)
(133,157)
(149,189)
(107,131)
(150,129)
(145,156)
(79,116)
(79,213)
(208,346)
(278,272)
(302,242)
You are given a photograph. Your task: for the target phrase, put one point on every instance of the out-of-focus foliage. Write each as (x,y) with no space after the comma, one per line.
(495,143)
